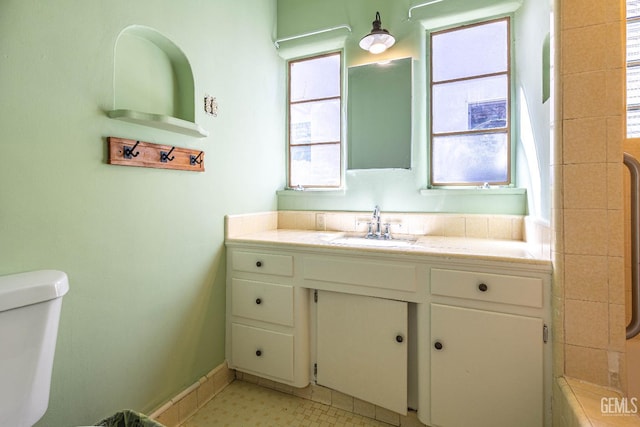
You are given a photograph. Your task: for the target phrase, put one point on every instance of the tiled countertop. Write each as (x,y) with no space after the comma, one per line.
(457,247)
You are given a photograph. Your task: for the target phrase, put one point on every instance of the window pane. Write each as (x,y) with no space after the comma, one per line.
(315,113)
(315,78)
(633,8)
(315,165)
(633,70)
(484,156)
(315,122)
(470,104)
(633,86)
(633,124)
(472,51)
(633,41)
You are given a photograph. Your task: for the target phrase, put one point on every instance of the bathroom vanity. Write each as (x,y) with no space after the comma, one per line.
(456,329)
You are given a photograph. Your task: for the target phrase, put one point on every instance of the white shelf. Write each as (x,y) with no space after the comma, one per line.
(159,121)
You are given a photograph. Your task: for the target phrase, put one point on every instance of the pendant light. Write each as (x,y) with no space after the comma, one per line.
(379,39)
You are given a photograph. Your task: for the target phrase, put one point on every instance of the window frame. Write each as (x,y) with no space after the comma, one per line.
(340,142)
(509,101)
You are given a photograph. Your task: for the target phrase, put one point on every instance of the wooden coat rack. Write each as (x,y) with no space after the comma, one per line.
(129,152)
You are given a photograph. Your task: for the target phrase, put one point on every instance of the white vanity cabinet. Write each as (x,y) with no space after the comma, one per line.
(362,348)
(487,349)
(460,339)
(267,317)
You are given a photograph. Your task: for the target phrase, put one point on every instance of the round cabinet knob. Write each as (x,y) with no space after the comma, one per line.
(438,345)
(399,338)
(258,301)
(259,264)
(483,287)
(258,353)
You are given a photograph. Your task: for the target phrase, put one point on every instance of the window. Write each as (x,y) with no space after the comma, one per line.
(315,106)
(470,105)
(633,69)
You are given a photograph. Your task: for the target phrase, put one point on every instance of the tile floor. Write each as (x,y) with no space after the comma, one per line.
(245,404)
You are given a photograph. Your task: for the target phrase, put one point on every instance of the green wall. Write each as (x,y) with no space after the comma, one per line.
(406,190)
(143,248)
(533,106)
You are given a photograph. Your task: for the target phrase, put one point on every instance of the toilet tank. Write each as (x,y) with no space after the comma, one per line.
(30,306)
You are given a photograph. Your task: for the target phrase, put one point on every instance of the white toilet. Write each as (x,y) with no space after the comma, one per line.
(30,306)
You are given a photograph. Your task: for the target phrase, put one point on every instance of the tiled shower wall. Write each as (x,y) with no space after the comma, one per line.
(588,242)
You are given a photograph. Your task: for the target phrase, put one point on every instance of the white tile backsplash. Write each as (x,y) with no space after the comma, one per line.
(504,227)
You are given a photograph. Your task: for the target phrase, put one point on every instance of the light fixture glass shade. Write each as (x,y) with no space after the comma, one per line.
(379,39)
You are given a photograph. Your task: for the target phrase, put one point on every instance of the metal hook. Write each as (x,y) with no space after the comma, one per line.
(164,156)
(193,160)
(127,152)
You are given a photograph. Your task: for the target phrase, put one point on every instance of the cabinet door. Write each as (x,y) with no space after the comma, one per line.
(362,348)
(488,371)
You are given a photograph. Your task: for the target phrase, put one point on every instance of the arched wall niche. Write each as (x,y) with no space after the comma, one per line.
(153,82)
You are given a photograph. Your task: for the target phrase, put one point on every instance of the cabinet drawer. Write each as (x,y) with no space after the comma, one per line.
(257,262)
(375,274)
(517,290)
(262,351)
(266,302)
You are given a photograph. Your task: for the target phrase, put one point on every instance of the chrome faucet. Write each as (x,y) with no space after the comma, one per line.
(375,227)
(376,220)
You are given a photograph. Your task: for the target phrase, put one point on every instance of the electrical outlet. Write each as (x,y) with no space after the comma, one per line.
(320,224)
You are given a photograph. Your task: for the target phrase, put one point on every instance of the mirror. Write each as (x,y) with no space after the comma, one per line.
(379,115)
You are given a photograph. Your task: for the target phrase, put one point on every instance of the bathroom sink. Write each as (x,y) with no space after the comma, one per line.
(363,241)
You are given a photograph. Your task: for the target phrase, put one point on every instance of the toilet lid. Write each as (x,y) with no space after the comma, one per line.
(18,290)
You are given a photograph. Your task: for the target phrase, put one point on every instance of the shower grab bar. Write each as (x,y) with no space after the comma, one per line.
(633,328)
